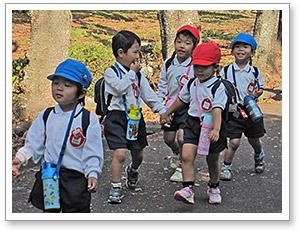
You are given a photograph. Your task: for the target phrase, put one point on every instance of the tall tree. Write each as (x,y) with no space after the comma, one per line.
(267,33)
(49,45)
(170,21)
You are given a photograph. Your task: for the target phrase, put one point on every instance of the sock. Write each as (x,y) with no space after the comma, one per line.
(212,185)
(116,184)
(227,164)
(189,184)
(260,155)
(132,169)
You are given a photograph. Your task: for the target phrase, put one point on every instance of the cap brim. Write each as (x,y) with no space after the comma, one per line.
(50,77)
(201,62)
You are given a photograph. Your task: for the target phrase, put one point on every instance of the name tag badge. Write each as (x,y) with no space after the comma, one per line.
(182,79)
(77,139)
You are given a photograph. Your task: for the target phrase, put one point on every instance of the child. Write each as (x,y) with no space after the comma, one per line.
(125,90)
(83,157)
(242,75)
(175,73)
(205,63)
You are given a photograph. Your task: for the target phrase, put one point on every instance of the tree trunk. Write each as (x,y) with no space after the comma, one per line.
(267,34)
(49,45)
(170,21)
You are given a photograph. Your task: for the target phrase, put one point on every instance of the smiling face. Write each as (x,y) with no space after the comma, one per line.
(205,72)
(242,53)
(132,54)
(64,92)
(183,47)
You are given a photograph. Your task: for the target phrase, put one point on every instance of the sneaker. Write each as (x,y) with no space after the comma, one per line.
(186,195)
(260,164)
(115,196)
(177,176)
(174,161)
(214,195)
(132,178)
(226,173)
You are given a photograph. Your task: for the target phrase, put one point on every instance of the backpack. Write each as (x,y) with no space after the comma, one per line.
(230,92)
(85,118)
(99,95)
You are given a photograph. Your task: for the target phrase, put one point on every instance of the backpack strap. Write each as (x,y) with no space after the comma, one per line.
(46,115)
(256,76)
(225,71)
(190,83)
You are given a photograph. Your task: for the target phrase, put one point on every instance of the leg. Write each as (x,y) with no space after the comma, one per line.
(188,155)
(213,167)
(213,191)
(170,140)
(232,147)
(226,173)
(177,175)
(117,163)
(259,154)
(132,173)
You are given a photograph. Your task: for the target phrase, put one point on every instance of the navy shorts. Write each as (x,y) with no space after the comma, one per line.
(192,134)
(236,127)
(73,192)
(178,120)
(115,127)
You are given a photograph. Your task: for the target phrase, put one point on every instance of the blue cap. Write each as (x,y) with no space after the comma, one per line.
(74,71)
(246,38)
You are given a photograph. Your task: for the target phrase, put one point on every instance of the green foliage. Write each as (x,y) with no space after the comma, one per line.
(18,76)
(95,55)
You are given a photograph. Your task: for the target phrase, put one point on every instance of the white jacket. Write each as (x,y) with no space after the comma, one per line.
(40,143)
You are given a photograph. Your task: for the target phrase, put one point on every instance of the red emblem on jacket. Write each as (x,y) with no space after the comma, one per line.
(251,87)
(77,139)
(206,104)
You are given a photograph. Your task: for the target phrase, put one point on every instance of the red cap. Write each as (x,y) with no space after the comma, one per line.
(206,54)
(193,30)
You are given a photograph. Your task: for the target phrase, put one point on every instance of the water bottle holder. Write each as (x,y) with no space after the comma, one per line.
(132,130)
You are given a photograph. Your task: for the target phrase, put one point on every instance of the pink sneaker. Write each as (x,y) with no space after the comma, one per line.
(214,195)
(186,195)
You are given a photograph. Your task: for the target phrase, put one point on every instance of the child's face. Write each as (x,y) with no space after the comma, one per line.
(132,55)
(183,47)
(64,92)
(242,52)
(204,72)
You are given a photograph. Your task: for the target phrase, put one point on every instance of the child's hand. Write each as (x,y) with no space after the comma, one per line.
(92,184)
(136,65)
(16,164)
(258,93)
(213,135)
(164,118)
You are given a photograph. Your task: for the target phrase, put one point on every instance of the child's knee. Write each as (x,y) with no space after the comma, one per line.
(234,144)
(120,155)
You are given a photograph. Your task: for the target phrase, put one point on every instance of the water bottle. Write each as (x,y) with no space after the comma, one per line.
(204,143)
(50,186)
(133,124)
(252,108)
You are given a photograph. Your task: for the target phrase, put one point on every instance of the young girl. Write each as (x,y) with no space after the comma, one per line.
(126,86)
(176,71)
(243,76)
(83,157)
(205,62)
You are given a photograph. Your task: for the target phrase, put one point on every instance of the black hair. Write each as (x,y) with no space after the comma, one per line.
(188,33)
(79,92)
(124,40)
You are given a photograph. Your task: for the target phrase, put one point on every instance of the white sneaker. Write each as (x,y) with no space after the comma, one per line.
(186,195)
(174,161)
(177,176)
(214,195)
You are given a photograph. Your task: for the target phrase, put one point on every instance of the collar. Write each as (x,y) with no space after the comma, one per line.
(185,63)
(122,68)
(246,69)
(208,82)
(58,110)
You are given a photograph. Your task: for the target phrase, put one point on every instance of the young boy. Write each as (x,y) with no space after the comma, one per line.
(242,75)
(83,157)
(176,71)
(125,90)
(198,94)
